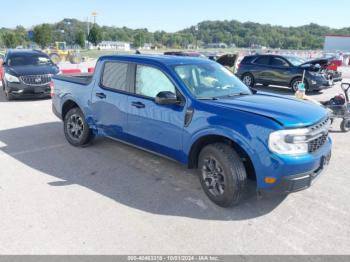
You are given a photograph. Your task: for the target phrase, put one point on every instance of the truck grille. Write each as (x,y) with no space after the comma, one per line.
(36,80)
(320,132)
(317,143)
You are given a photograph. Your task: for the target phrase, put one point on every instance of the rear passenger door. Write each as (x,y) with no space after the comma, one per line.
(109,101)
(158,128)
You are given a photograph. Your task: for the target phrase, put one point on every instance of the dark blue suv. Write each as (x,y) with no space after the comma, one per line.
(282,70)
(27,73)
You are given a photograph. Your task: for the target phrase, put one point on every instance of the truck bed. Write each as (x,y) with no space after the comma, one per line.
(81,79)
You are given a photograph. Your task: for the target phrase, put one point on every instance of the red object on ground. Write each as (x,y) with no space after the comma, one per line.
(338,62)
(91,69)
(71,71)
(333,67)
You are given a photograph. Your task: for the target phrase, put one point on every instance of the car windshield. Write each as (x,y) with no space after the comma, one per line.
(295,61)
(28,60)
(211,81)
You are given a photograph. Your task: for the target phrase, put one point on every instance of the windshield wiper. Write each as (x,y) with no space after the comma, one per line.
(207,98)
(238,94)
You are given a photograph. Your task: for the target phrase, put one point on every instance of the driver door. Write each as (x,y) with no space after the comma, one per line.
(158,128)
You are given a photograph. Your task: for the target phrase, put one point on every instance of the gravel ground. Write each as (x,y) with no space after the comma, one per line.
(113,199)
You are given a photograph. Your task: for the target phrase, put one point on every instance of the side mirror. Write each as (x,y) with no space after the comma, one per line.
(3,63)
(166,98)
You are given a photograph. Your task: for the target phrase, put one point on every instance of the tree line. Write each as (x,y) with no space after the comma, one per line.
(244,35)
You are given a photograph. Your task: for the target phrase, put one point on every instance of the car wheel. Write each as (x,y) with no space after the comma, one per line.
(55,58)
(222,174)
(76,129)
(248,80)
(345,125)
(295,84)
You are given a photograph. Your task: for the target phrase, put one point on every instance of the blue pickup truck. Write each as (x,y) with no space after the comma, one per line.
(198,113)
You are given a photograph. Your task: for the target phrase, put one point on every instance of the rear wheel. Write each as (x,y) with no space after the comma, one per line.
(345,125)
(222,174)
(248,80)
(76,129)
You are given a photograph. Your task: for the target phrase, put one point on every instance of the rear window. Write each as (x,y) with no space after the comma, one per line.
(262,60)
(115,76)
(248,59)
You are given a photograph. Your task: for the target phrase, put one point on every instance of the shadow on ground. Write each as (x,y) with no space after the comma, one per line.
(129,176)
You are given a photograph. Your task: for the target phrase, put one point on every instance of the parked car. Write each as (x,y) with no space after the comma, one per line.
(27,73)
(198,113)
(282,70)
(185,53)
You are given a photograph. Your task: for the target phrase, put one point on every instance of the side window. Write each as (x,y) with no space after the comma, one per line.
(115,76)
(262,60)
(277,61)
(150,81)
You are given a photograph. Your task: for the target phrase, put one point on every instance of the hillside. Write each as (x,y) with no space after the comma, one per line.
(241,34)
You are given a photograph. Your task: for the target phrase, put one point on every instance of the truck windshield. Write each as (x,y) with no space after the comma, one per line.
(210,81)
(28,60)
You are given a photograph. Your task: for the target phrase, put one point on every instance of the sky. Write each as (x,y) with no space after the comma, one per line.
(172,15)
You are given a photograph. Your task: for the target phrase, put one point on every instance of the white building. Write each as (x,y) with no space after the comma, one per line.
(337,43)
(113,45)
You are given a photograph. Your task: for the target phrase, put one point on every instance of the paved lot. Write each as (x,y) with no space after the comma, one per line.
(113,199)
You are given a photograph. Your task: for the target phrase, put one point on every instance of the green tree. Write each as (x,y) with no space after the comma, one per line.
(95,35)
(80,39)
(10,40)
(43,35)
(139,39)
(21,35)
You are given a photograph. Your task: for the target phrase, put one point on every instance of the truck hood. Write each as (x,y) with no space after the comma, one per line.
(288,112)
(33,70)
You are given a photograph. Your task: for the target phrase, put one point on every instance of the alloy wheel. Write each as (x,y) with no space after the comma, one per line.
(75,127)
(213,176)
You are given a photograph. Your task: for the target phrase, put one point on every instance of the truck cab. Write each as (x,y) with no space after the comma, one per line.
(198,113)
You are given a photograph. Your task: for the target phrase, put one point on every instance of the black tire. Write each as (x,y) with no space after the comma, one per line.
(345,125)
(295,82)
(227,185)
(248,80)
(55,58)
(76,129)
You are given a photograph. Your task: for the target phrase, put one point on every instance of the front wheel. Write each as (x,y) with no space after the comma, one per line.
(345,125)
(222,174)
(295,84)
(76,129)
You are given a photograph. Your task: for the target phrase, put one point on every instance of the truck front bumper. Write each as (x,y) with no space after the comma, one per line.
(294,183)
(294,173)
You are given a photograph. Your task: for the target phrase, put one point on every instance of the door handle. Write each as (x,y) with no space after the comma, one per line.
(138,104)
(101,95)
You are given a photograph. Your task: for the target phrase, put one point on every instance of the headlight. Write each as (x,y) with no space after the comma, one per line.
(289,142)
(315,73)
(11,78)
